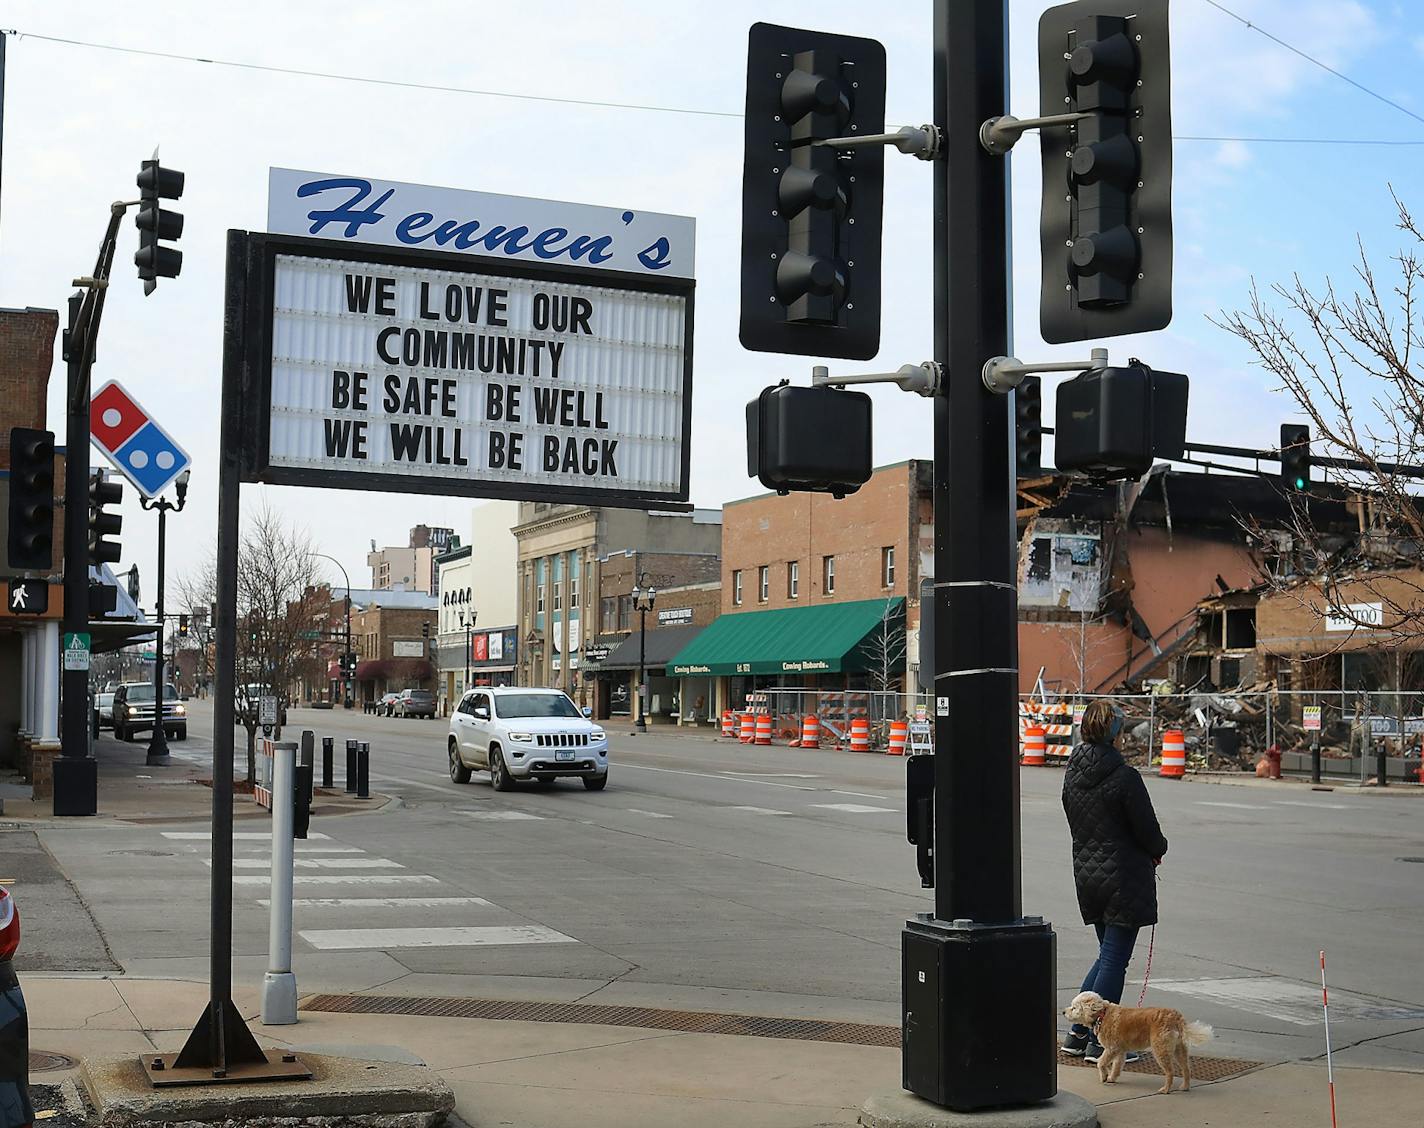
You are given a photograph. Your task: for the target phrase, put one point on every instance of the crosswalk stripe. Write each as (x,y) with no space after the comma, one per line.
(854,808)
(338,939)
(502,816)
(1234,806)
(340,879)
(383,902)
(648,814)
(315,863)
(1304,803)
(759,810)
(239,835)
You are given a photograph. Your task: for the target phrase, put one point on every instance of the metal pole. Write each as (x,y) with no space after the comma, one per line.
(363,770)
(221,1038)
(977,935)
(351,747)
(642,674)
(327,743)
(279,985)
(158,742)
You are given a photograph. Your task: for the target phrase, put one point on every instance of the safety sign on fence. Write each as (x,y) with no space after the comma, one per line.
(1311,714)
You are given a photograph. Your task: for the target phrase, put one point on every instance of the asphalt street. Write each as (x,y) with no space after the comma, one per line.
(710,875)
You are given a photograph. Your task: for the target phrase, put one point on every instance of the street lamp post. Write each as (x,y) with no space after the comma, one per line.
(469,627)
(643,597)
(346,653)
(158,742)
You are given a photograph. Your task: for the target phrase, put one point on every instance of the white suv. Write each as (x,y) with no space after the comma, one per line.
(521,734)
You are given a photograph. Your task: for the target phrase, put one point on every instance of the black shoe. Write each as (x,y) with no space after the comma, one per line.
(1095,1051)
(1075,1045)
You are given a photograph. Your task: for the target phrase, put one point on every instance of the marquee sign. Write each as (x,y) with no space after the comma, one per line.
(506,373)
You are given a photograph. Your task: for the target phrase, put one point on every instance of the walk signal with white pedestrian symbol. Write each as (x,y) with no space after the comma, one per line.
(31,517)
(155,261)
(28,597)
(139,448)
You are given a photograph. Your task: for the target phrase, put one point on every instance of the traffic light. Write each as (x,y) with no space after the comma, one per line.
(153,260)
(811,212)
(102,525)
(1295,457)
(1106,225)
(31,518)
(1115,422)
(182,626)
(814,440)
(1028,428)
(424,630)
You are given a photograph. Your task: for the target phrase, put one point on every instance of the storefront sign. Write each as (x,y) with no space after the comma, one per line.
(1354,616)
(460,343)
(495,647)
(674,616)
(408,649)
(597,653)
(479,646)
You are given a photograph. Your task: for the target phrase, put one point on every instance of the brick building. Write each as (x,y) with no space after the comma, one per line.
(391,634)
(813,588)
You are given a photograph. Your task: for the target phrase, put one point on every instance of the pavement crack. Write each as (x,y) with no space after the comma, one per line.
(556,1053)
(609,983)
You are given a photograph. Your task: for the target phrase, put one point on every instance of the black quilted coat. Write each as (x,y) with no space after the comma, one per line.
(1115,838)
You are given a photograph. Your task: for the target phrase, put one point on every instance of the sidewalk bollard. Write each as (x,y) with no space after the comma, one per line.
(327,743)
(279,985)
(308,756)
(351,746)
(1315,760)
(363,771)
(301,810)
(1382,763)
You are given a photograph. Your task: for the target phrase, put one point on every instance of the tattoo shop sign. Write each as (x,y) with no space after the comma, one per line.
(435,341)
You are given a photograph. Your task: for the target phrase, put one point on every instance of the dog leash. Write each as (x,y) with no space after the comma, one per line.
(1147,973)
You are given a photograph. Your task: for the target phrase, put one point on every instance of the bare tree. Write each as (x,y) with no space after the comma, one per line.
(885,649)
(278,613)
(1350,359)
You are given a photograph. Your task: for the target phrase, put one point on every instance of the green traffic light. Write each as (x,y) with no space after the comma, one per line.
(1300,483)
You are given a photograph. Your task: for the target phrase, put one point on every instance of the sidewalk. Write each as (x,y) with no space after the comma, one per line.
(551,1075)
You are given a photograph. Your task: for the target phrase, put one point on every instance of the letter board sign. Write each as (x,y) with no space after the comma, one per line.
(424,371)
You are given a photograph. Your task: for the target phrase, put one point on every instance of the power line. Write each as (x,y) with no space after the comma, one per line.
(333,76)
(1312,59)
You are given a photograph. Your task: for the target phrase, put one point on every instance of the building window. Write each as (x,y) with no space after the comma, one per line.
(610,613)
(737,588)
(539,599)
(573,588)
(887,566)
(793,580)
(828,575)
(558,595)
(625,612)
(763,583)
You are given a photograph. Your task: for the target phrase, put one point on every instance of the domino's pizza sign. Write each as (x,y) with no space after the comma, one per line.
(141,450)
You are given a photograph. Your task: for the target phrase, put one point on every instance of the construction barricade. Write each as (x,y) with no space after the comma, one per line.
(1174,754)
(763,728)
(899,737)
(746,728)
(1055,718)
(860,735)
(810,731)
(729,723)
(1035,747)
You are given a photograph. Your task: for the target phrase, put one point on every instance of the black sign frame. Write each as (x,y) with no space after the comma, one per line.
(251,278)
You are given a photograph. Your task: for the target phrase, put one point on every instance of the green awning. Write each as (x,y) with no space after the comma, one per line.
(828,639)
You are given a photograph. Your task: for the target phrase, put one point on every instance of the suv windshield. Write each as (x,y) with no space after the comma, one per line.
(145,693)
(511,705)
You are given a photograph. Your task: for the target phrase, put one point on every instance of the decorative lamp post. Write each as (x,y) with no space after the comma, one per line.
(468,623)
(158,742)
(643,597)
(347,665)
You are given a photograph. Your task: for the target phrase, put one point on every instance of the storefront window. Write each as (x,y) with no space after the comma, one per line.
(610,613)
(828,574)
(793,580)
(737,588)
(887,566)
(763,583)
(573,580)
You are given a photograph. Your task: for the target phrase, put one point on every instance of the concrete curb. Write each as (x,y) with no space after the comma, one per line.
(905,1110)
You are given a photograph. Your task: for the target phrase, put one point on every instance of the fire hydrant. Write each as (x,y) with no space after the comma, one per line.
(1273,761)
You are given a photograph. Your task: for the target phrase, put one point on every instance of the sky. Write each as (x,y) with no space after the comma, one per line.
(78,121)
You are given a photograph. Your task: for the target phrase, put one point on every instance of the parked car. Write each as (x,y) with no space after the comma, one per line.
(104,710)
(134,712)
(249,702)
(15,1106)
(521,734)
(415,703)
(386,706)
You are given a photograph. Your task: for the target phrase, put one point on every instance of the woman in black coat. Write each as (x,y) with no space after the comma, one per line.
(1117,846)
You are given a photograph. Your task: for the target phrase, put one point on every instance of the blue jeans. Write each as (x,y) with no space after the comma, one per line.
(1109,970)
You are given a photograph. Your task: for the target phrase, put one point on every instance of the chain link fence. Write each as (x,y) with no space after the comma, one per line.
(835,709)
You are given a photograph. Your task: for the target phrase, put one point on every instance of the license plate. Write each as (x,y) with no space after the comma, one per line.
(563,756)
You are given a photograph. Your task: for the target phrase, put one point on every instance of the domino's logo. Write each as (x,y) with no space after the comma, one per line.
(138,447)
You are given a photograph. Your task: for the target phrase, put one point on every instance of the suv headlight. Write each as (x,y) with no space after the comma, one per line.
(180,710)
(522,737)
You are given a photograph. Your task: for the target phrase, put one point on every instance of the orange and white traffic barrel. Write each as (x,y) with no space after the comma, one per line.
(763,728)
(1035,746)
(729,727)
(1174,754)
(810,731)
(899,737)
(860,734)
(746,729)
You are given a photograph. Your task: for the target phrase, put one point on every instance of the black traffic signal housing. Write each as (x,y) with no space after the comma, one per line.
(1113,423)
(1295,457)
(811,213)
(1028,428)
(31,516)
(424,630)
(182,626)
(155,223)
(103,600)
(812,440)
(1106,225)
(103,525)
